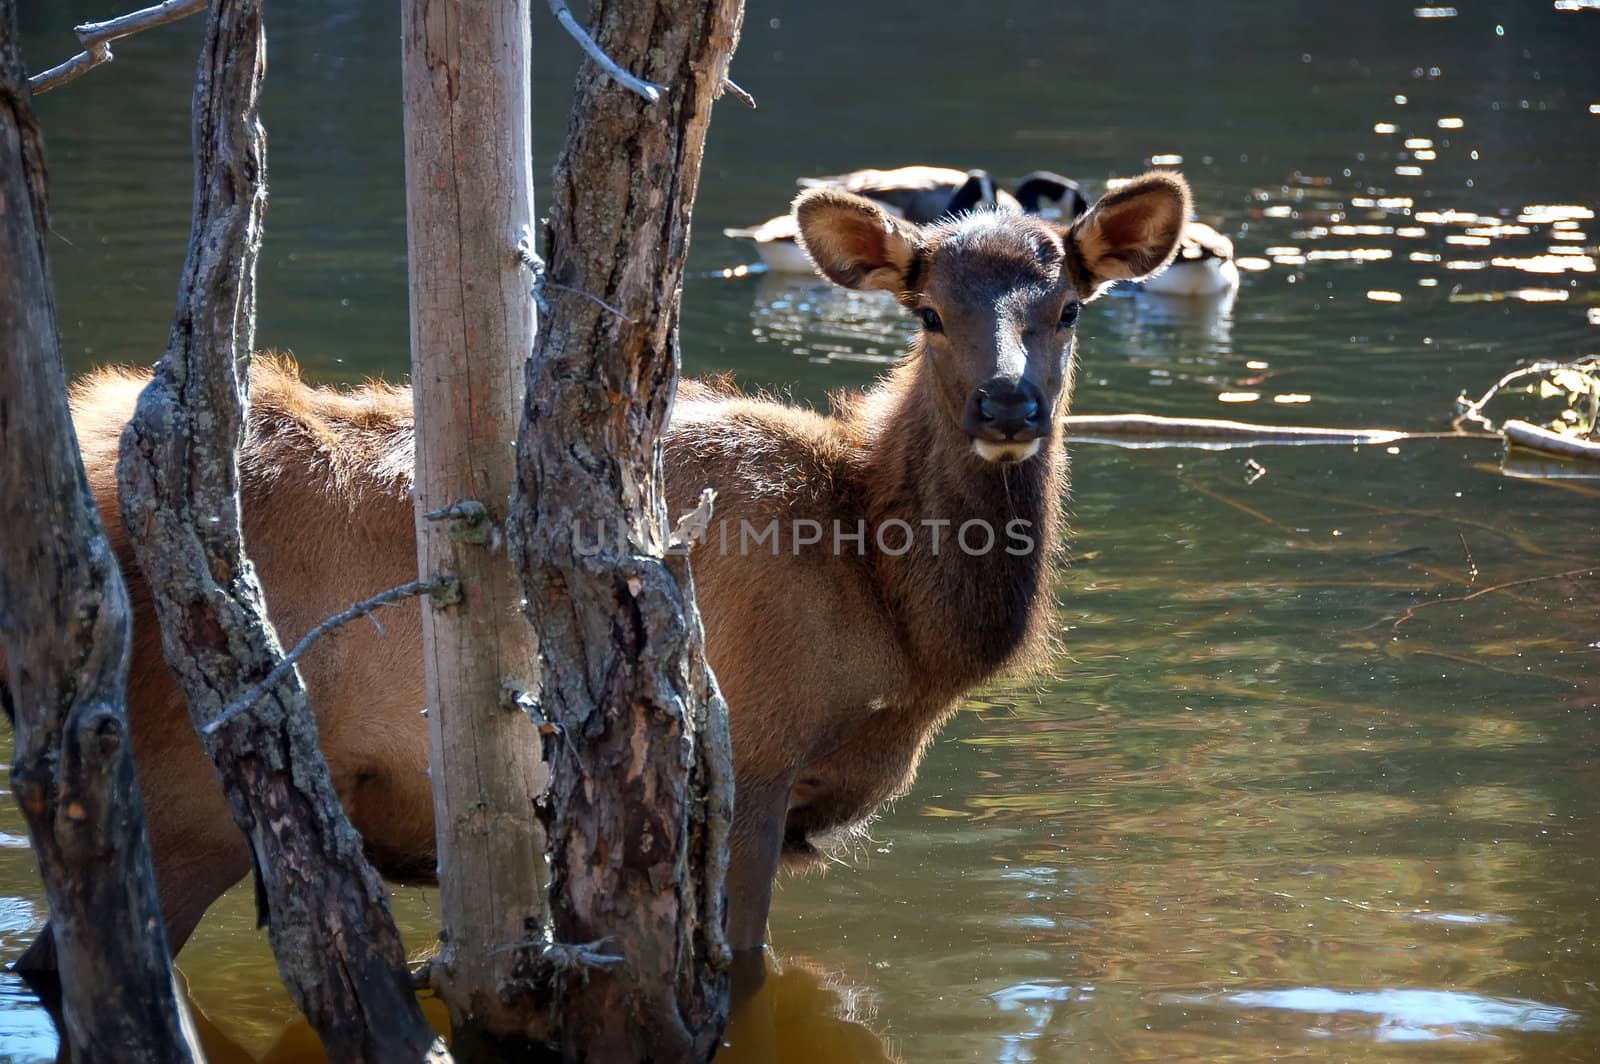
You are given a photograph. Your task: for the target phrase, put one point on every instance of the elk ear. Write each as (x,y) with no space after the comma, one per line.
(1131,231)
(854,242)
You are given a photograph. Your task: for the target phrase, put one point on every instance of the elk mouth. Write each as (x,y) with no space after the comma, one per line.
(797,847)
(815,836)
(1006,452)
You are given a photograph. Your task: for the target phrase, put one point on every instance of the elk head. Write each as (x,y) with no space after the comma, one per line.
(997,294)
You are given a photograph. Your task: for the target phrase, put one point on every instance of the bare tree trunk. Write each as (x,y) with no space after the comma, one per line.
(642,780)
(64,621)
(469,204)
(337,948)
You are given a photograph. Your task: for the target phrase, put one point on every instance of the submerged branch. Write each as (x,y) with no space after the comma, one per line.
(1153,430)
(1412,611)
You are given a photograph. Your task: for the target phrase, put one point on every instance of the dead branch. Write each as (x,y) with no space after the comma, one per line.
(1532,437)
(465,75)
(1471,410)
(591,297)
(743,94)
(1201,432)
(1247,510)
(1412,611)
(96,38)
(361,609)
(648,89)
(1472,566)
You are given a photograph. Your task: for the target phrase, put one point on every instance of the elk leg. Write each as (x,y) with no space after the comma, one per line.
(754,852)
(39,959)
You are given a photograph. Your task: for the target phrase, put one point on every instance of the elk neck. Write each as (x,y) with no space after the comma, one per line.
(963,615)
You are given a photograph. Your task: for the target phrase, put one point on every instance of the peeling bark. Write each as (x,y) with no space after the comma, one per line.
(64,625)
(337,948)
(469,205)
(641,791)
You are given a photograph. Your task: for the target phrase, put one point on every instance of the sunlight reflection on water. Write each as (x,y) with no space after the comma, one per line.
(1400,1015)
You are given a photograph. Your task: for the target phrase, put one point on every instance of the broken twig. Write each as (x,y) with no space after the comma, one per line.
(648,89)
(337,621)
(743,94)
(96,38)
(1472,566)
(692,526)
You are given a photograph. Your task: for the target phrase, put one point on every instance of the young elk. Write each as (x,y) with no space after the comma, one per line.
(866,569)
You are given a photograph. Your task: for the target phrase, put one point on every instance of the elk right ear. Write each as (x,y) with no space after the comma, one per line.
(1131,231)
(854,242)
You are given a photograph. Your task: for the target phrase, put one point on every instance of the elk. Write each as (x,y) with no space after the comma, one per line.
(841,647)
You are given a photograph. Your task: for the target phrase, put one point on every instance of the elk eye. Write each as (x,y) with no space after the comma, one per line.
(1069,315)
(930,319)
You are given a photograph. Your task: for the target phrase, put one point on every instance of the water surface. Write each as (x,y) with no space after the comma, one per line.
(1297,784)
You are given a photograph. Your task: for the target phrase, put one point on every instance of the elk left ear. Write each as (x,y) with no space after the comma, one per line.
(1131,231)
(854,242)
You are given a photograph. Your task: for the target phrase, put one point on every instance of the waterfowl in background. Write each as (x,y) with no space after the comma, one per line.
(777,243)
(1204,265)
(920,194)
(1051,196)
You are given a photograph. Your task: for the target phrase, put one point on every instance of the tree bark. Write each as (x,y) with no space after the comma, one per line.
(641,790)
(469,200)
(64,622)
(337,948)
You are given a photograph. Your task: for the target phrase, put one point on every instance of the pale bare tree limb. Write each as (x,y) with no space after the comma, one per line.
(739,91)
(468,120)
(1158,428)
(648,89)
(96,38)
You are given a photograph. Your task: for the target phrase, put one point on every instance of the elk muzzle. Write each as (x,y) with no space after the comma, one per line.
(1006,419)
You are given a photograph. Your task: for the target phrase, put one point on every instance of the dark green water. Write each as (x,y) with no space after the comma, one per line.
(1247,817)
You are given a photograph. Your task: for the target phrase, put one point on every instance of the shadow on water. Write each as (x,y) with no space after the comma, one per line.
(1314,770)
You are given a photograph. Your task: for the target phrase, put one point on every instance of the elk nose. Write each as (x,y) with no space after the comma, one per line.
(1006,412)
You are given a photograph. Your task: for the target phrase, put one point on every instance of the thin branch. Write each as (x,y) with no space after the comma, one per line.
(1249,511)
(592,298)
(1471,410)
(729,85)
(96,38)
(337,621)
(648,89)
(530,258)
(1412,611)
(1472,566)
